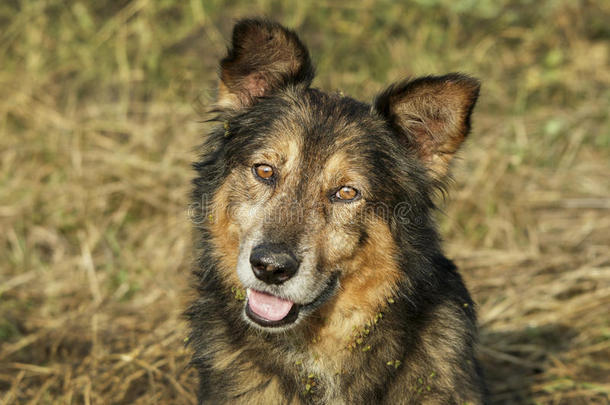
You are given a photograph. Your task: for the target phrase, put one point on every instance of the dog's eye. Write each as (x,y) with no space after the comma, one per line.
(346,193)
(263,172)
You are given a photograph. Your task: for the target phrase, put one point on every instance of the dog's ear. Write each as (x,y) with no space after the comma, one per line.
(431,115)
(263,57)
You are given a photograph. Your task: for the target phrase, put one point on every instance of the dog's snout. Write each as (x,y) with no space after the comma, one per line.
(273,264)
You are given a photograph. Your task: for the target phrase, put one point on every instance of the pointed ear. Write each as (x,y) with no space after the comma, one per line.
(431,115)
(263,57)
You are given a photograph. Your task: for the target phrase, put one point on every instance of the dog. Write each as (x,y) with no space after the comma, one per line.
(319,273)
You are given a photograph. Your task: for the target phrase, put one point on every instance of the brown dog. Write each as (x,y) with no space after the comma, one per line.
(320,274)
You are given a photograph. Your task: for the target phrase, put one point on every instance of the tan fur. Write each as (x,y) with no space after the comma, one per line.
(225,235)
(369,283)
(339,170)
(225,98)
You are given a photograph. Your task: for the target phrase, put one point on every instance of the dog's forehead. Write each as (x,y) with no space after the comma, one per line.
(319,125)
(329,148)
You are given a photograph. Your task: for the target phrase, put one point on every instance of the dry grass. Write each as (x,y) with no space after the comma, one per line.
(99,123)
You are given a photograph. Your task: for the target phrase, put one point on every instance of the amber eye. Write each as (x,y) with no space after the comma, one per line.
(264,172)
(346,193)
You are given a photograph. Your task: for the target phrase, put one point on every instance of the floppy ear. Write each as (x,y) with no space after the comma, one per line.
(431,115)
(263,57)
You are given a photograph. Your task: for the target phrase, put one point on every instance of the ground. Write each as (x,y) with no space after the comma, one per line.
(101,113)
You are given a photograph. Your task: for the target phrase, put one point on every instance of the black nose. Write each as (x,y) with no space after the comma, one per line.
(273,264)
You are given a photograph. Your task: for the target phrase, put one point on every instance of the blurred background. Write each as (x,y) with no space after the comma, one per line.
(100,117)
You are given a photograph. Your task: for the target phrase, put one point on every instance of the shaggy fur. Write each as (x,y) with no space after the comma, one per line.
(384,317)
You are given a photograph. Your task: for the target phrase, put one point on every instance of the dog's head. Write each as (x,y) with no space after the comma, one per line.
(309,190)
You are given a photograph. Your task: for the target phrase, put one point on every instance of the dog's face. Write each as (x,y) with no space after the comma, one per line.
(312,181)
(298,195)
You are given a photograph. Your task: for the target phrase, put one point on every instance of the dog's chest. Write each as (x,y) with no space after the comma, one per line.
(319,380)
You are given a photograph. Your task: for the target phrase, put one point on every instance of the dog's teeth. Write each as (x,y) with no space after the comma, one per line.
(248,292)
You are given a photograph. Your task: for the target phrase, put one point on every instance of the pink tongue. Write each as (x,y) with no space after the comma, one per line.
(268,306)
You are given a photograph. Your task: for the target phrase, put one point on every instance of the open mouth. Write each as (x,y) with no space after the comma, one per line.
(271,311)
